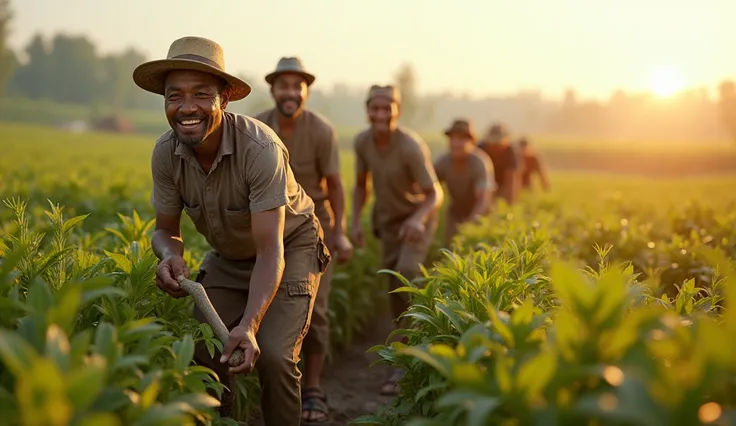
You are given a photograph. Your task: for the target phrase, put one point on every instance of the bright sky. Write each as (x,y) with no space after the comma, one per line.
(476,46)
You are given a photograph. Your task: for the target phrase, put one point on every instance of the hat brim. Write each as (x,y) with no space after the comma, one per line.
(449,132)
(150,76)
(309,78)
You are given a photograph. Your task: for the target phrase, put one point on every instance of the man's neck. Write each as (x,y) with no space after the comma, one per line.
(460,160)
(207,152)
(382,138)
(286,124)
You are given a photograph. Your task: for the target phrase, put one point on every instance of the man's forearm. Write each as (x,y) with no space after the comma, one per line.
(165,244)
(336,197)
(360,195)
(431,204)
(264,283)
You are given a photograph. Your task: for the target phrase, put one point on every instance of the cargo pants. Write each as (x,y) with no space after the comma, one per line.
(283,326)
(403,258)
(317,340)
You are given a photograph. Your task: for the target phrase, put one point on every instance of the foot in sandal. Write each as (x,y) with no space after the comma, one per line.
(314,407)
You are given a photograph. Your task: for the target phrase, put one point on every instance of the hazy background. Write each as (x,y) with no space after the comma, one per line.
(625,70)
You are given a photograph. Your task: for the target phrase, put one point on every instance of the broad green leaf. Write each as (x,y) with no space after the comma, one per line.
(106,341)
(121,261)
(70,223)
(534,375)
(85,383)
(58,347)
(184,353)
(97,419)
(16,353)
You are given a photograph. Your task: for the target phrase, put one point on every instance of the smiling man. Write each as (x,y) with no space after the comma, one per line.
(315,159)
(408,195)
(231,175)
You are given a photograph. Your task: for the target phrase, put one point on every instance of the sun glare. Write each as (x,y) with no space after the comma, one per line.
(666,82)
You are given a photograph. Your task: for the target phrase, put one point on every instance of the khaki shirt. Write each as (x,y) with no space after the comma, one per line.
(250,174)
(462,183)
(313,152)
(398,174)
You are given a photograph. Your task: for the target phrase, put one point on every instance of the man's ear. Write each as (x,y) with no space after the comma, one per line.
(225,97)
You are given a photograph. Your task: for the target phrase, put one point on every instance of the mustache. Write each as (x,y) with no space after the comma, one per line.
(285,100)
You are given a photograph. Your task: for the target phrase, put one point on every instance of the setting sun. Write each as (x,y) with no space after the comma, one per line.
(666,82)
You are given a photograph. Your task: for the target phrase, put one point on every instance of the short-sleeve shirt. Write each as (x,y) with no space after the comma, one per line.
(250,174)
(398,174)
(476,174)
(504,158)
(313,150)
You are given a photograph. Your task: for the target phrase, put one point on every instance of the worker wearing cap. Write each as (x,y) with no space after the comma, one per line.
(407,194)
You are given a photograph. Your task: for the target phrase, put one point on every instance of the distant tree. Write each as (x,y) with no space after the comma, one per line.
(78,74)
(33,79)
(406,80)
(727,106)
(117,84)
(8,61)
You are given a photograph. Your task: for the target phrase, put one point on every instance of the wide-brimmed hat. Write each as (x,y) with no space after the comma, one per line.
(462,126)
(389,92)
(291,65)
(189,53)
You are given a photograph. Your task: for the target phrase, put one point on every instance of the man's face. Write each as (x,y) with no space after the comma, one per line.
(194,102)
(289,91)
(383,114)
(460,145)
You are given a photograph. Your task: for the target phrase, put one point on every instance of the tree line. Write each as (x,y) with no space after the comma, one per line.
(69,69)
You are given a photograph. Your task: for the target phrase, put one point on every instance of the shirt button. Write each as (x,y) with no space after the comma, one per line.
(211,215)
(207,188)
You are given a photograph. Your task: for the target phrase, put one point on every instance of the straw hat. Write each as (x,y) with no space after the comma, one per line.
(462,126)
(189,53)
(390,92)
(292,65)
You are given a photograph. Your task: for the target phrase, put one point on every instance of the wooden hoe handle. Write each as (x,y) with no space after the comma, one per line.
(197,292)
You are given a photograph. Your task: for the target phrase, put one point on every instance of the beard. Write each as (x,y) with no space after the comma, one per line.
(194,137)
(280,105)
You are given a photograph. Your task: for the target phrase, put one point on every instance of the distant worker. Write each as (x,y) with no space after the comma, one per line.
(467,172)
(407,196)
(315,159)
(505,158)
(532,165)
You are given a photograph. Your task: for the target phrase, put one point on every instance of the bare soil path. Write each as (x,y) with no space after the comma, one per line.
(352,386)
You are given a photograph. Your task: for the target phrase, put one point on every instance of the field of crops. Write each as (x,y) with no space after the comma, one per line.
(604,302)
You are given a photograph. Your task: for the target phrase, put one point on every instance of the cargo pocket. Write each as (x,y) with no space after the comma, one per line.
(301,289)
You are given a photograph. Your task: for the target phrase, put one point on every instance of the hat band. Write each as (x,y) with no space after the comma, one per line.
(199,59)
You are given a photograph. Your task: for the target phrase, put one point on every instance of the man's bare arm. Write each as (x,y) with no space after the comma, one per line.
(482,206)
(166,239)
(336,197)
(268,236)
(434,196)
(360,196)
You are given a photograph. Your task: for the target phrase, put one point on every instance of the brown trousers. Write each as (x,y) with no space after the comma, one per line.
(405,259)
(317,340)
(283,327)
(452,223)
